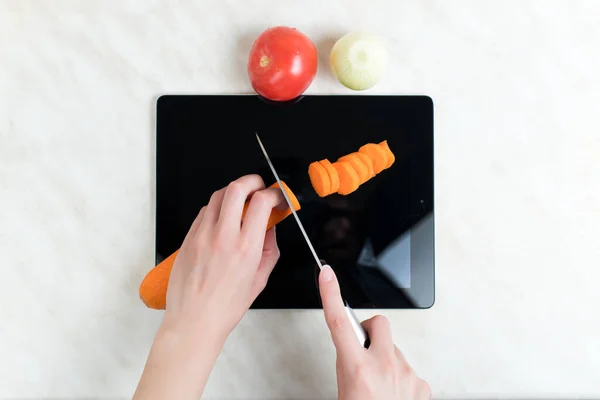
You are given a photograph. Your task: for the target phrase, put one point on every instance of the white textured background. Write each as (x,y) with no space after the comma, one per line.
(517,97)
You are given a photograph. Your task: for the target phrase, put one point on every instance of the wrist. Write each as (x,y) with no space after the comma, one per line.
(183,354)
(191,333)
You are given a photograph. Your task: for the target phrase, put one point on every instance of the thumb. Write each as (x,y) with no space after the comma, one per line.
(336,317)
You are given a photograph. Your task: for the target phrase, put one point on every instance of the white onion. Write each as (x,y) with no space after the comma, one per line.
(358,60)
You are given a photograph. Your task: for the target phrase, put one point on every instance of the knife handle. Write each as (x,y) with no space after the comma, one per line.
(360,332)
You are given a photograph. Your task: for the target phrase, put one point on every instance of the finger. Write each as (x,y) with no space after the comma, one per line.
(211,214)
(405,367)
(270,244)
(424,390)
(258,213)
(343,335)
(236,194)
(270,255)
(399,355)
(378,329)
(197,222)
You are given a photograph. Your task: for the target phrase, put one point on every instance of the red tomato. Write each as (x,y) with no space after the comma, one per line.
(282,63)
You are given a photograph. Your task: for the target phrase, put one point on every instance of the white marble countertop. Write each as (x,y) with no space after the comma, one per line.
(517,94)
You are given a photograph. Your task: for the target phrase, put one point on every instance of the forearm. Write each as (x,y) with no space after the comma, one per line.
(179,363)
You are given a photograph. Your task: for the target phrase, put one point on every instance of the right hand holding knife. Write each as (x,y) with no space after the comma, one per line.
(377,372)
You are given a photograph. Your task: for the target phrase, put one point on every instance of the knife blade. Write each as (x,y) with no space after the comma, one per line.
(289,203)
(354,321)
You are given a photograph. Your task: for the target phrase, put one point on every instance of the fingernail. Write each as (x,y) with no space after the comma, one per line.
(327,273)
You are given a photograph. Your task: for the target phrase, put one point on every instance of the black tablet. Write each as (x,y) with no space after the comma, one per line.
(378,239)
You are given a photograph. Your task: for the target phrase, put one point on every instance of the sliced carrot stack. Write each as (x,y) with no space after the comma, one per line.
(377,154)
(334,178)
(350,171)
(368,163)
(153,289)
(361,169)
(349,179)
(390,156)
(319,178)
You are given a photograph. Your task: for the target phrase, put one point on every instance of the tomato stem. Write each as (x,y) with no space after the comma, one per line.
(264,61)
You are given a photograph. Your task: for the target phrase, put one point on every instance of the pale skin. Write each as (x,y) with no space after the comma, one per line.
(222,267)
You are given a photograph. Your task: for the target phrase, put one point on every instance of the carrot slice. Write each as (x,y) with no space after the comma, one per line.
(153,289)
(390,156)
(368,163)
(319,179)
(361,169)
(334,179)
(377,154)
(349,179)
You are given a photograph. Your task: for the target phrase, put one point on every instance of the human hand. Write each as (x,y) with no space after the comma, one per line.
(224,262)
(222,266)
(379,372)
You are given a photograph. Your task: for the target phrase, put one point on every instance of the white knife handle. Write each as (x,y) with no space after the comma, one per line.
(362,336)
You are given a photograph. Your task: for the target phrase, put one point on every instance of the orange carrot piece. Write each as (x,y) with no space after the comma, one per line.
(334,179)
(390,156)
(319,179)
(349,179)
(361,169)
(153,289)
(368,163)
(377,154)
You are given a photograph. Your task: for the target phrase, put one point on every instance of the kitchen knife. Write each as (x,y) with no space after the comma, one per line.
(354,321)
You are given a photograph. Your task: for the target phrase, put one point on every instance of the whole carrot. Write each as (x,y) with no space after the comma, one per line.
(153,289)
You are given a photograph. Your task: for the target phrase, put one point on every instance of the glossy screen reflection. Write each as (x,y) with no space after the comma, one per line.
(379,239)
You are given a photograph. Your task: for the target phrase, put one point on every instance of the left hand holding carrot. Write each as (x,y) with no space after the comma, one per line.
(223,265)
